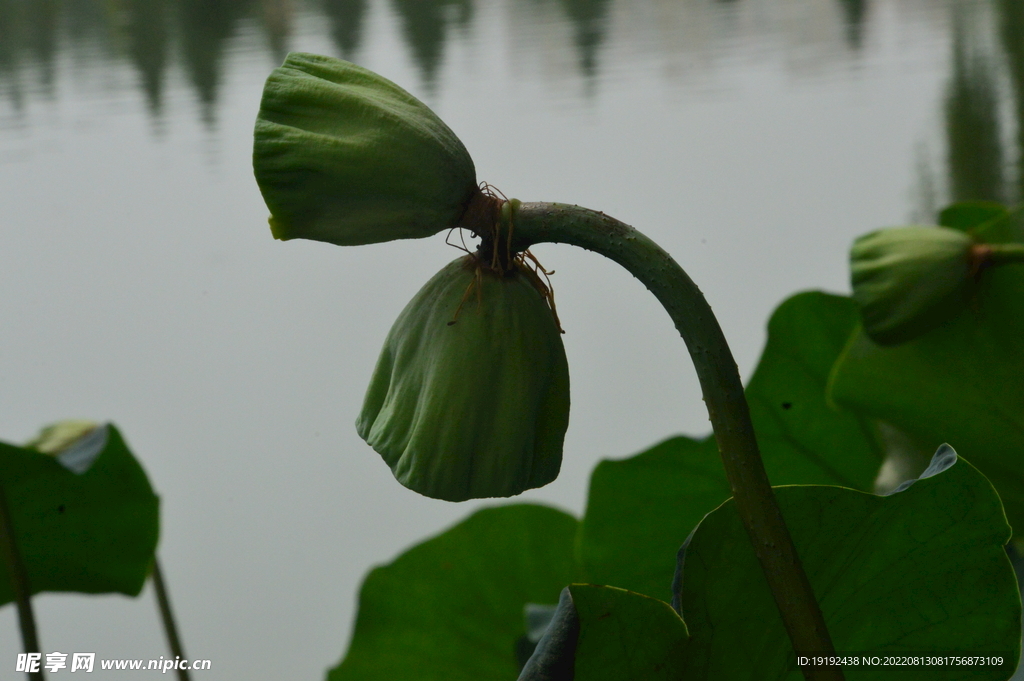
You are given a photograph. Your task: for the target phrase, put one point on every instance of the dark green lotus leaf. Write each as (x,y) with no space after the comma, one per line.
(986,221)
(451,609)
(85,516)
(626,636)
(967,216)
(344,155)
(641,509)
(920,572)
(470,396)
(804,439)
(908,280)
(960,383)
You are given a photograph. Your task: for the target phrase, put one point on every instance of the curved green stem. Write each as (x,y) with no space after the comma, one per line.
(19,582)
(723,393)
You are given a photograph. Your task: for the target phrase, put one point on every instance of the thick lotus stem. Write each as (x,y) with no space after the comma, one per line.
(723,394)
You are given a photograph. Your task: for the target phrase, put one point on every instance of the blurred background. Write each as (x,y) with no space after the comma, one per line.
(753,139)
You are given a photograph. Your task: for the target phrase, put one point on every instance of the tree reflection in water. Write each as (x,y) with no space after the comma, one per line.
(193,35)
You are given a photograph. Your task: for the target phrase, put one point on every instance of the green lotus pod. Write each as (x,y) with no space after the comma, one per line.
(470,396)
(344,155)
(908,280)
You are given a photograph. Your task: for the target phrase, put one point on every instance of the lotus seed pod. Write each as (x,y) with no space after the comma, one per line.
(908,280)
(344,155)
(470,396)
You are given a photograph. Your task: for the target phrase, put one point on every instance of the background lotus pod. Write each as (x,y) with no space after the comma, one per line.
(344,155)
(908,280)
(477,408)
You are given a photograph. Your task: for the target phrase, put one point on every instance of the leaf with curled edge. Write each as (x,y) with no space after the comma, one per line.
(922,571)
(85,519)
(602,633)
(960,383)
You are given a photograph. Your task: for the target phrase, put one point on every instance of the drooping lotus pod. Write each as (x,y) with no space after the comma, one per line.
(470,396)
(908,280)
(344,155)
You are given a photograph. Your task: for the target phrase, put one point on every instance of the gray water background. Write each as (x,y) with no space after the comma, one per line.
(753,139)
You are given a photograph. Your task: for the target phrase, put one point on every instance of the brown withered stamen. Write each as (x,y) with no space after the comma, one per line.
(980,258)
(482,211)
(476,283)
(482,216)
(528,264)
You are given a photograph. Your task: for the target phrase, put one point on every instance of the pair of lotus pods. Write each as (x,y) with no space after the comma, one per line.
(470,396)
(479,408)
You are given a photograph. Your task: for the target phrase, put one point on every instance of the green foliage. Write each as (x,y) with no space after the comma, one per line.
(882,565)
(345,156)
(640,509)
(974,217)
(804,439)
(920,571)
(923,570)
(986,222)
(959,383)
(451,609)
(91,532)
(626,636)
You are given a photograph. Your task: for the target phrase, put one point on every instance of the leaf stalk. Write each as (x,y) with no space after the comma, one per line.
(19,583)
(167,617)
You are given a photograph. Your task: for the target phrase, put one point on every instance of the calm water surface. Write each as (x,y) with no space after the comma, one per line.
(753,139)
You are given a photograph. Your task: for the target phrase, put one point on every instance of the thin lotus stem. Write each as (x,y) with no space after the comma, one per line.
(19,583)
(170,628)
(723,394)
(1005,254)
